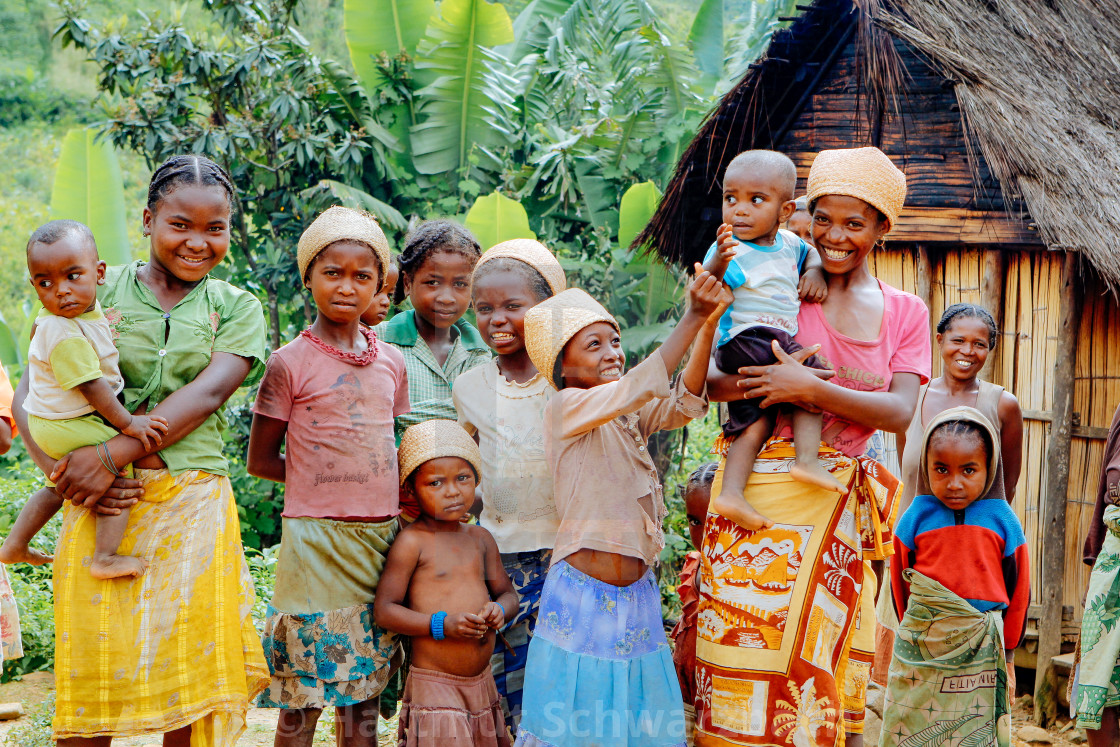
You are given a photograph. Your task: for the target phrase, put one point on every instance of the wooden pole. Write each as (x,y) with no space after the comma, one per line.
(991,290)
(1054,500)
(924,278)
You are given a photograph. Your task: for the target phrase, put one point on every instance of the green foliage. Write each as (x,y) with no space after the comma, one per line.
(36,730)
(705,38)
(26,97)
(495,218)
(31,585)
(88,188)
(383,27)
(462,88)
(329,192)
(638,205)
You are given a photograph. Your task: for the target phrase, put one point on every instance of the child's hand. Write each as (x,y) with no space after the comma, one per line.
(148,429)
(465,625)
(708,296)
(812,287)
(726,244)
(493,615)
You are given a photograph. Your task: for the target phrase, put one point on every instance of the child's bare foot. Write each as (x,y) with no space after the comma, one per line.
(815,474)
(10,554)
(116,566)
(736,508)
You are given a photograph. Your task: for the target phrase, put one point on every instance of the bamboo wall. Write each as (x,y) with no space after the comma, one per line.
(1023,363)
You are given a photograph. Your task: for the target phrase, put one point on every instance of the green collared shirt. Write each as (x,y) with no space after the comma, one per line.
(162,352)
(429,384)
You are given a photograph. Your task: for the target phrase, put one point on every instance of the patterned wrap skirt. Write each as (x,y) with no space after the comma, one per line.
(321,644)
(527,571)
(600,670)
(1098,670)
(172,648)
(11,638)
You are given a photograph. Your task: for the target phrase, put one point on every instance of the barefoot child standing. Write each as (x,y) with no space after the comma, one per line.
(600,631)
(444,586)
(330,396)
(767,270)
(73,383)
(960,578)
(502,404)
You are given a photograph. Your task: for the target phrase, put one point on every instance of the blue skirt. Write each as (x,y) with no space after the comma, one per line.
(599,669)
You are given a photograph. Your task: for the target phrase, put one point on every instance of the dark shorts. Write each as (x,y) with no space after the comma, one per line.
(751,347)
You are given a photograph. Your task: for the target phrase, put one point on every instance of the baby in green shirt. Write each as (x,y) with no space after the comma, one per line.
(73,383)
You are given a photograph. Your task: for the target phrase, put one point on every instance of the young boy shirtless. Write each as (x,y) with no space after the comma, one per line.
(767,271)
(444,586)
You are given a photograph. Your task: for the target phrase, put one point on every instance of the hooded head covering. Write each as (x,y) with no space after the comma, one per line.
(967,415)
(342,224)
(533,253)
(865,173)
(434,439)
(551,323)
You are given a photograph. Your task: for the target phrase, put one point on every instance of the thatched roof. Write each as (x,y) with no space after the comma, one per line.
(1038,83)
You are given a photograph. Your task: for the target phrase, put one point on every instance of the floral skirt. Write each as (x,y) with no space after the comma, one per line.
(527,571)
(320,640)
(1098,670)
(10,636)
(600,670)
(172,648)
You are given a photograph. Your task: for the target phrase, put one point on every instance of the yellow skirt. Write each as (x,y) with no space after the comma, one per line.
(173,648)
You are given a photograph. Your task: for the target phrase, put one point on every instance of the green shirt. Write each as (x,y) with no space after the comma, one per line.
(429,384)
(161,352)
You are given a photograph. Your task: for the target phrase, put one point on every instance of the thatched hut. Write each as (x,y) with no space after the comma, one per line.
(1005,116)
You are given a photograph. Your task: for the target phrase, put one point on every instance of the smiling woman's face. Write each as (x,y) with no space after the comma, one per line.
(964,347)
(845,230)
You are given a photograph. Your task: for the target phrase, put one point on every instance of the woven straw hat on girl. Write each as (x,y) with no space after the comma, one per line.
(433,439)
(342,224)
(533,253)
(551,323)
(865,173)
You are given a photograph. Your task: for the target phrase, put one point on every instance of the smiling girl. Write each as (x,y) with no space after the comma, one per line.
(502,404)
(331,395)
(600,630)
(173,651)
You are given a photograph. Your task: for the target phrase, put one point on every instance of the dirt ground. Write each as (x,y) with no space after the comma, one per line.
(35,688)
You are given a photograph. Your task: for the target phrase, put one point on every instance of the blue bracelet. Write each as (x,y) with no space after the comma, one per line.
(503,609)
(437,625)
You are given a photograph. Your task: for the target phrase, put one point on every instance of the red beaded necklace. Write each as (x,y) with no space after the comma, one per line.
(358,359)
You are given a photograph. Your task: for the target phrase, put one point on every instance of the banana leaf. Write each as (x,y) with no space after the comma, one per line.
(88,188)
(352,197)
(705,38)
(638,204)
(389,26)
(495,218)
(465,88)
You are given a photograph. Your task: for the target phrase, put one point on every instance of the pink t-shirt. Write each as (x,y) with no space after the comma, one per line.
(341,457)
(868,365)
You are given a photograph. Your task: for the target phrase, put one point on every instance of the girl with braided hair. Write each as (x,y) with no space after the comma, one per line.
(173,651)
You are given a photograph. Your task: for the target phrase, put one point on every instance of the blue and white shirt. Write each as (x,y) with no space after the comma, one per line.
(763,280)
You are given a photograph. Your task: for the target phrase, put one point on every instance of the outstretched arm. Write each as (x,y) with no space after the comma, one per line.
(695,373)
(705,295)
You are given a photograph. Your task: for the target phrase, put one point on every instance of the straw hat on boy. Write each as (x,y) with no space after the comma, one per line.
(434,439)
(533,253)
(551,323)
(342,224)
(865,173)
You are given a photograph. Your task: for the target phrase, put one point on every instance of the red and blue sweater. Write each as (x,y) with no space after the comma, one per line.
(979,554)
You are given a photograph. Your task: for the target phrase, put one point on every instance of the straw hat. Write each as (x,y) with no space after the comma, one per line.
(865,173)
(533,253)
(971,415)
(434,439)
(551,323)
(342,224)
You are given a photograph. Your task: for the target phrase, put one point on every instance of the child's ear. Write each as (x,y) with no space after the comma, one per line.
(101,272)
(788,209)
(146,222)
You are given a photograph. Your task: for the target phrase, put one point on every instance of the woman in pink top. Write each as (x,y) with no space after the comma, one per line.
(331,395)
(876,341)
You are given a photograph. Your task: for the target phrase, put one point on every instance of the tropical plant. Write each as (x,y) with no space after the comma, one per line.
(257,100)
(88,188)
(495,218)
